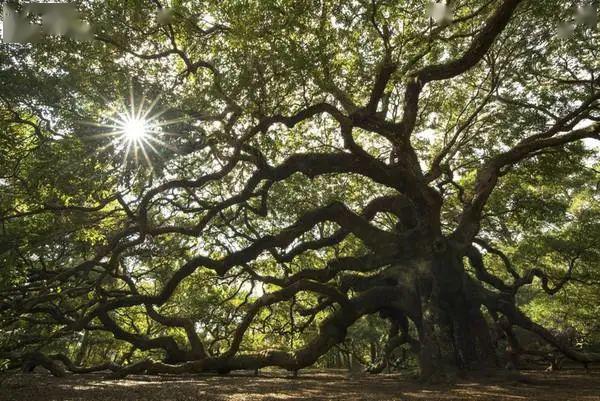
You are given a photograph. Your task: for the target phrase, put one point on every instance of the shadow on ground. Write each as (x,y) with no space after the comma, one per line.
(310,385)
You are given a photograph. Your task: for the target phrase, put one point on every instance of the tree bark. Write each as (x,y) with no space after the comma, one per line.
(454,335)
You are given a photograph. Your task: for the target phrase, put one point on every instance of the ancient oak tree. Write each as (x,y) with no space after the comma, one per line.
(233,185)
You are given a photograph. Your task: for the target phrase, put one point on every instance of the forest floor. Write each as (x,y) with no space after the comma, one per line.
(309,385)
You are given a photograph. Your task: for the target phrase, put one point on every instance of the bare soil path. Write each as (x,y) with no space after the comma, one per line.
(310,385)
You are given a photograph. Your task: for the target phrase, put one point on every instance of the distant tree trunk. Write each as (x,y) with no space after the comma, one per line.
(338,362)
(83,349)
(373,351)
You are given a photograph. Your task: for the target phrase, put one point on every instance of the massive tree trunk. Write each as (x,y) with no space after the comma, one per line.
(454,335)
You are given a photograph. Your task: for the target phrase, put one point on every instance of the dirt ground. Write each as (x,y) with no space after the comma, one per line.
(309,385)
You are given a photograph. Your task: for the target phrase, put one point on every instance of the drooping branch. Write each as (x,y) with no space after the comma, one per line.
(398,335)
(507,263)
(518,318)
(331,332)
(482,273)
(174,353)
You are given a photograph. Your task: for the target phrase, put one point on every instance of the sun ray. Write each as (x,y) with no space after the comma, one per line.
(147,158)
(125,156)
(153,148)
(150,108)
(161,143)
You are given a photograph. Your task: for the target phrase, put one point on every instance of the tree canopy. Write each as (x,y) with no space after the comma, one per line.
(223,185)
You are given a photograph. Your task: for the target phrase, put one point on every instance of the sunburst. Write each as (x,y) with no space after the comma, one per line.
(135,129)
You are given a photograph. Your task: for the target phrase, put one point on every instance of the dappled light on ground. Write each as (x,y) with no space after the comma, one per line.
(310,385)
